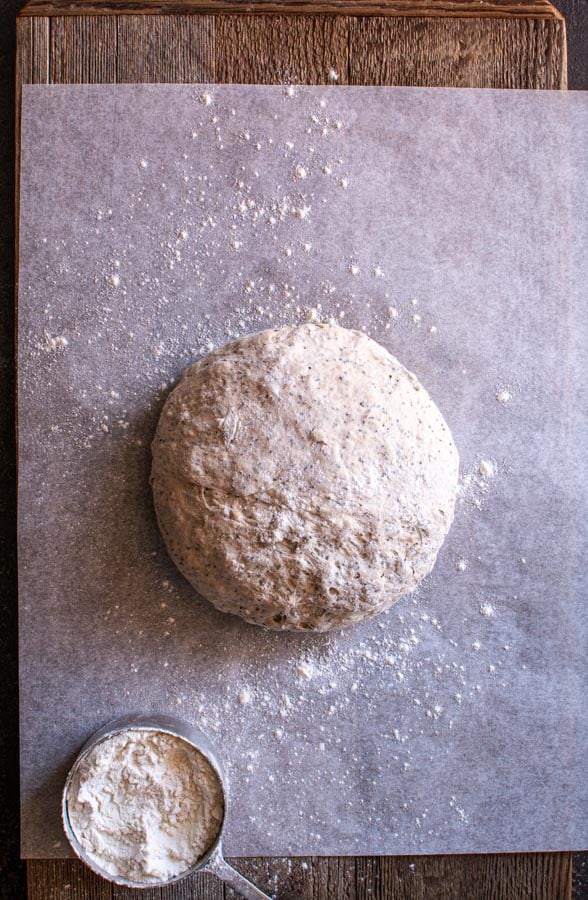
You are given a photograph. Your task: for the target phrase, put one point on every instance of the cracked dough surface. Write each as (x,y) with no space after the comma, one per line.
(303,479)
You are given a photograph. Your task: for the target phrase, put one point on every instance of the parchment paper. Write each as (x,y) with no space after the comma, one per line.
(159,221)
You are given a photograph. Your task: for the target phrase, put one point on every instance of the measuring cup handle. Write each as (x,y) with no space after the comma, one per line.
(218,865)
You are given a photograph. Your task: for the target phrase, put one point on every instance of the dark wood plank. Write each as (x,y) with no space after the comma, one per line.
(82,50)
(434,52)
(537,876)
(54,879)
(476,8)
(32,67)
(174,49)
(279,49)
(32,50)
(506,44)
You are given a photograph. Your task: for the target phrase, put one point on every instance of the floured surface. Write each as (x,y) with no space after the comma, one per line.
(156,225)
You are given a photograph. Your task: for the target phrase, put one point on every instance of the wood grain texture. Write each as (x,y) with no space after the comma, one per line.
(476,8)
(149,50)
(32,51)
(517,876)
(278,49)
(81,50)
(435,52)
(504,45)
(32,67)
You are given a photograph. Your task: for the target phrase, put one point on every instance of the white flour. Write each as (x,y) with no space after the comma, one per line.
(145,805)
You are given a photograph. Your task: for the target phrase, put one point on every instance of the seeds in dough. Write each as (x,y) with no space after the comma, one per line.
(303,479)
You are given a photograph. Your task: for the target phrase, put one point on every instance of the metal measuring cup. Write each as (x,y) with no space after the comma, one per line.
(213,860)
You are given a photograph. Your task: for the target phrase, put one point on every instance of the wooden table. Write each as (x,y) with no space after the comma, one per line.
(451,43)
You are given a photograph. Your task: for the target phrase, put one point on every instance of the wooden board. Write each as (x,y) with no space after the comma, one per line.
(452,43)
(517,876)
(502,48)
(477,9)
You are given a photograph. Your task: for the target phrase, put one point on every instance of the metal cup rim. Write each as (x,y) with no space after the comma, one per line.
(169,725)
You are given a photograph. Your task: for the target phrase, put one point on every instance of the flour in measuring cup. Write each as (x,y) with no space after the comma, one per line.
(145,805)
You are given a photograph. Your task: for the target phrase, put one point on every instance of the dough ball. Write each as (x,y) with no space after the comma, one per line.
(303,479)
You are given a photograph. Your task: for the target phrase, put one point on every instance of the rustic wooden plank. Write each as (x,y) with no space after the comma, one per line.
(57,879)
(303,878)
(249,49)
(32,51)
(549,54)
(279,49)
(267,874)
(32,67)
(331,877)
(457,52)
(475,8)
(541,876)
(392,878)
(178,49)
(83,50)
(204,887)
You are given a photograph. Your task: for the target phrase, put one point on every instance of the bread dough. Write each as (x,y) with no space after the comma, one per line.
(303,478)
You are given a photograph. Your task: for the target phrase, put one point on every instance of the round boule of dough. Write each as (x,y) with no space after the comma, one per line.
(303,479)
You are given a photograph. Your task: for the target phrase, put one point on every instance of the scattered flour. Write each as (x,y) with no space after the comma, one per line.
(305,669)
(486,468)
(245,696)
(301,212)
(52,344)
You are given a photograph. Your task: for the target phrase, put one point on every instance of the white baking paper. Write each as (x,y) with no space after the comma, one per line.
(160,221)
